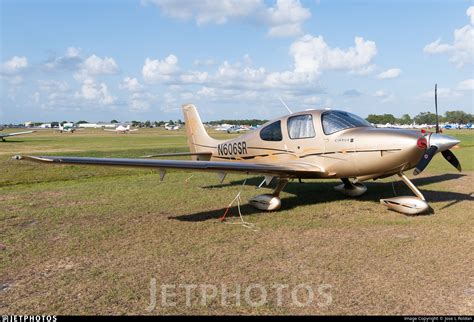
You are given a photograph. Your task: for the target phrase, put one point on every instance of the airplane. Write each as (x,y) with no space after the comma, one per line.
(4,135)
(172,127)
(236,129)
(122,129)
(67,127)
(314,144)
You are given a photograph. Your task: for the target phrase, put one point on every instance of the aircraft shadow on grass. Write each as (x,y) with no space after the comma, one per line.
(312,192)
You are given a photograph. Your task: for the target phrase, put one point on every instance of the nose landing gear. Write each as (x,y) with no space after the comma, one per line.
(407,204)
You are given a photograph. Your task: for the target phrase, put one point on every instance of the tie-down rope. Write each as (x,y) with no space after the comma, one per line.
(242,222)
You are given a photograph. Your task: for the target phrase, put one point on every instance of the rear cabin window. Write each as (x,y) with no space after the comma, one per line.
(301,127)
(271,132)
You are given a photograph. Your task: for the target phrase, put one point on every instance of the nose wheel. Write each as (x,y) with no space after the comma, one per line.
(408,205)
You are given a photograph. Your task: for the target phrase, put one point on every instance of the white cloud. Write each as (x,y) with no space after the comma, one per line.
(283,20)
(194,77)
(92,91)
(36,97)
(286,18)
(470,13)
(288,79)
(466,85)
(234,73)
(203,12)
(384,96)
(312,100)
(462,48)
(390,73)
(313,55)
(160,70)
(53,86)
(206,62)
(207,92)
(437,48)
(70,60)
(95,65)
(443,92)
(14,65)
(72,52)
(363,71)
(141,102)
(131,84)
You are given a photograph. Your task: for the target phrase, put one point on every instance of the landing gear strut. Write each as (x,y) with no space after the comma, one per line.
(407,204)
(351,189)
(272,201)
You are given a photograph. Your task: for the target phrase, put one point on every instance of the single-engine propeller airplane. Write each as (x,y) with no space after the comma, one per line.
(323,144)
(122,129)
(5,135)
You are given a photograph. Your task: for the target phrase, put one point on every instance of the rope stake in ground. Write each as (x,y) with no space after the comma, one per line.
(242,222)
(189,178)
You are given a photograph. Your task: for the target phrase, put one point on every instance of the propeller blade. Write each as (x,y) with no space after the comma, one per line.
(436,108)
(425,159)
(451,158)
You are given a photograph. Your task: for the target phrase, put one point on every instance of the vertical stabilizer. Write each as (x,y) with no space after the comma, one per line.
(198,139)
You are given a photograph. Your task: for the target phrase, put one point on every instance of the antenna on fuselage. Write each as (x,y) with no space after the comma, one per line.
(284,104)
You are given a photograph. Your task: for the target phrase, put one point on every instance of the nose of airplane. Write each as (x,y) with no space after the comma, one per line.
(442,142)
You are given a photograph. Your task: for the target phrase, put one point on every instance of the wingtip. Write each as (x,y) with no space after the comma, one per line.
(17,157)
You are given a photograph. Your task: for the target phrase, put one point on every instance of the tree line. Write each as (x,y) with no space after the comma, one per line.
(459,117)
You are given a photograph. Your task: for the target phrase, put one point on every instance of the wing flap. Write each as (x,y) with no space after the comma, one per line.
(201,156)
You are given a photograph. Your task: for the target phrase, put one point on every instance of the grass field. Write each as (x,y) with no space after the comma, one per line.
(92,240)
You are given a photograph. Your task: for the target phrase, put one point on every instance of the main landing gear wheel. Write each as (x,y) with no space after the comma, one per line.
(351,189)
(269,202)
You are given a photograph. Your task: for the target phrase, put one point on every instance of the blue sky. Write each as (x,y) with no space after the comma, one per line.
(139,60)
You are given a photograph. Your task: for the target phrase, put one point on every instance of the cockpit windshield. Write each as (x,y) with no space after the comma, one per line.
(335,121)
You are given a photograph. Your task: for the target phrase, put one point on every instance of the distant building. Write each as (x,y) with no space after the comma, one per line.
(98,125)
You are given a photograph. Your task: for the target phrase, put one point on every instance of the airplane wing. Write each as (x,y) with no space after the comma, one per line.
(291,170)
(109,130)
(4,135)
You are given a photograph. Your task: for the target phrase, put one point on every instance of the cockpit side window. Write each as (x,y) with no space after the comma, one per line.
(271,132)
(335,121)
(301,127)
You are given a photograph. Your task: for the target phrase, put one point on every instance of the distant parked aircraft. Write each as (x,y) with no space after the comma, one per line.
(122,129)
(172,127)
(67,127)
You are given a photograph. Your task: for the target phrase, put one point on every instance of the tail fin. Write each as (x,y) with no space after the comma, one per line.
(198,139)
